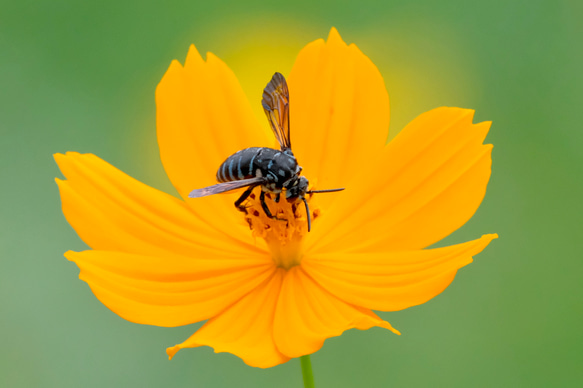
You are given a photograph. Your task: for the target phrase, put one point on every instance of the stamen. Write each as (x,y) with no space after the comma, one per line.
(284,235)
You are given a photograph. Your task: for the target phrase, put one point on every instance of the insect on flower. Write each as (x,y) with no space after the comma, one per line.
(269,168)
(268,290)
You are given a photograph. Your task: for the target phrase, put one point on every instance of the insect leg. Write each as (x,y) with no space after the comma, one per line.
(277,197)
(243,197)
(266,208)
(264,205)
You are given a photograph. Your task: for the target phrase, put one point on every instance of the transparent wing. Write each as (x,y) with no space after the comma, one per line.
(225,186)
(276,105)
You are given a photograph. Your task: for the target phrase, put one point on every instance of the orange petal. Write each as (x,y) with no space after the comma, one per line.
(169,290)
(427,183)
(307,314)
(339,111)
(392,281)
(112,211)
(245,329)
(203,117)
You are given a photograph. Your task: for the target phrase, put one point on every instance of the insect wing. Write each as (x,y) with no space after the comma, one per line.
(276,105)
(225,186)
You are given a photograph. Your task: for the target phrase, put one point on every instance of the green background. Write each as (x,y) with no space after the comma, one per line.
(80,76)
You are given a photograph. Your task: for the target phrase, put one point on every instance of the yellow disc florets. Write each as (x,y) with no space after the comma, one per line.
(284,233)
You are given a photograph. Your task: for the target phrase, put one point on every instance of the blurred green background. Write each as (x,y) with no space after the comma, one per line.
(80,76)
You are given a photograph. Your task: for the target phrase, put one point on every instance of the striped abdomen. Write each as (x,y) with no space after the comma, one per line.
(278,166)
(241,165)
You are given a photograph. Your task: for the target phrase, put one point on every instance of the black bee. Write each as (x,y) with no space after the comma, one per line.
(276,171)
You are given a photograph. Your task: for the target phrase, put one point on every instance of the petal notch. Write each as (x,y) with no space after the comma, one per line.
(307,314)
(168,291)
(245,329)
(391,281)
(203,117)
(339,110)
(427,183)
(113,211)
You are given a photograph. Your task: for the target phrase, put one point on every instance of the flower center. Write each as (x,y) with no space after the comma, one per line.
(285,233)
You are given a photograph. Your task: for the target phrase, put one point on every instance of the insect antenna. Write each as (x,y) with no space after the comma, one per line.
(308,208)
(324,191)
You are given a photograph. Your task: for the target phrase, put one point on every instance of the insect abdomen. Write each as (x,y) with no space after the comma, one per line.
(240,165)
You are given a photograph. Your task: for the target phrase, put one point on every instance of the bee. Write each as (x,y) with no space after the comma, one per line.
(276,171)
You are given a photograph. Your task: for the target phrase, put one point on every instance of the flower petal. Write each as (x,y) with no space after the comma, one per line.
(112,211)
(427,183)
(203,117)
(168,291)
(245,329)
(392,281)
(307,314)
(339,111)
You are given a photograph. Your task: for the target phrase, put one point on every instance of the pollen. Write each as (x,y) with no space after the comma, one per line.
(283,233)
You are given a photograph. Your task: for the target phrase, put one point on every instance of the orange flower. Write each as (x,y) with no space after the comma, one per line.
(277,291)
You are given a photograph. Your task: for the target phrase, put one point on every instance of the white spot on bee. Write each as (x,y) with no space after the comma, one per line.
(231,169)
(239,172)
(271,174)
(223,172)
(281,172)
(258,173)
(251,164)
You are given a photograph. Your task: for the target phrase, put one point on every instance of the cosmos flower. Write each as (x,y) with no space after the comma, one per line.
(269,290)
